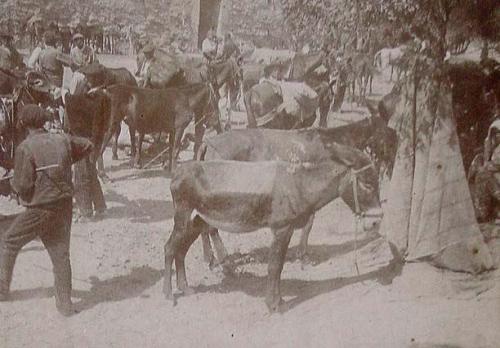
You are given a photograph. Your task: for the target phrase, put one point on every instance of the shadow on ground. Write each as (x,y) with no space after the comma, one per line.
(109,290)
(316,254)
(139,210)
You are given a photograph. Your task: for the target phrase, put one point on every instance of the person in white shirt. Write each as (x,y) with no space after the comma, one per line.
(209,46)
(81,55)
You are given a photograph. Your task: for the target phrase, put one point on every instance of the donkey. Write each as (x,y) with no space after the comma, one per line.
(243,197)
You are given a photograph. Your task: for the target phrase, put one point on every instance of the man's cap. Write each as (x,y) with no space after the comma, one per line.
(77,36)
(148,48)
(33,116)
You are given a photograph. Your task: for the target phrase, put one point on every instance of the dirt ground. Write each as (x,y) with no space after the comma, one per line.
(117,279)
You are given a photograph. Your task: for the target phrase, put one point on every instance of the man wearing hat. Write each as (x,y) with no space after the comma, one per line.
(144,71)
(42,180)
(5,56)
(9,56)
(81,55)
(47,60)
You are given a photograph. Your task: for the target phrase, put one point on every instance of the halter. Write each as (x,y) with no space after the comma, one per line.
(354,179)
(357,210)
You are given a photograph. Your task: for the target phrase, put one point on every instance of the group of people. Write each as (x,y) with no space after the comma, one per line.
(43,178)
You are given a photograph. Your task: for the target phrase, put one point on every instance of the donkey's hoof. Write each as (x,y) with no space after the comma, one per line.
(275,305)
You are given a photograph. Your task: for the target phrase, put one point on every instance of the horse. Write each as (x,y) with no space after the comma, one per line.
(390,57)
(242,197)
(363,70)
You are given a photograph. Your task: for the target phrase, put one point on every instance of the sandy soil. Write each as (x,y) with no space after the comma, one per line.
(117,278)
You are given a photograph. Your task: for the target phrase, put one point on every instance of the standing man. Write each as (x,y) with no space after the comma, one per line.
(81,55)
(12,56)
(344,70)
(144,71)
(42,180)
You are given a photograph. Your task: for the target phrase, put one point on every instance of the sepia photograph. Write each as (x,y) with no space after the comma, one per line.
(250,173)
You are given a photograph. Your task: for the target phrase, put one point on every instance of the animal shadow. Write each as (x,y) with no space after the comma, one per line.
(316,254)
(301,290)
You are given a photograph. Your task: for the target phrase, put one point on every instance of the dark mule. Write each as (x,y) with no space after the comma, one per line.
(243,197)
(147,111)
(99,76)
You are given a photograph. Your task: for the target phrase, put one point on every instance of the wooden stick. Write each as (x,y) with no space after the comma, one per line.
(39,169)
(156,157)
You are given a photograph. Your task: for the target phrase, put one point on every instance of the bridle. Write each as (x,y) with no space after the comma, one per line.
(354,180)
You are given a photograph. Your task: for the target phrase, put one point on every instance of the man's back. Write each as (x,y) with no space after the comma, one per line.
(41,149)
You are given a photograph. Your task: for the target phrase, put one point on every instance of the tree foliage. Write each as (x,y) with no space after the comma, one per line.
(345,21)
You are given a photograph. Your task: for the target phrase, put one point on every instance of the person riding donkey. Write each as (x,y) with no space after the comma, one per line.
(42,181)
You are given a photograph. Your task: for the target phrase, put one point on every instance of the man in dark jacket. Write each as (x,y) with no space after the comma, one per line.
(42,181)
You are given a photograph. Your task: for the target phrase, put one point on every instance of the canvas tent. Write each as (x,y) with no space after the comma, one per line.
(429,214)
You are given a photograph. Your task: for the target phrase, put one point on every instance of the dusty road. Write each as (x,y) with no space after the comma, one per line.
(117,278)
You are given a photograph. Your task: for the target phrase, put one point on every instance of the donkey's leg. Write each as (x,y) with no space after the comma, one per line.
(208,253)
(137,160)
(131,132)
(220,249)
(199,132)
(302,249)
(114,147)
(277,254)
(171,248)
(193,230)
